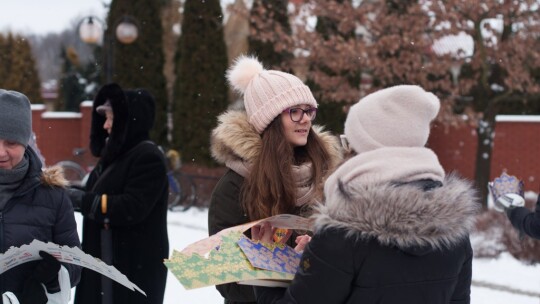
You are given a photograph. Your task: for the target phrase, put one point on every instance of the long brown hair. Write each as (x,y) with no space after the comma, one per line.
(270,188)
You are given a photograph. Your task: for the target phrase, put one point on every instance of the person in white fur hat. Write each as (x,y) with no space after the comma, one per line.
(276,158)
(395,228)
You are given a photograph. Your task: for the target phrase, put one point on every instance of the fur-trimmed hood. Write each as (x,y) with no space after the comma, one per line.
(403,215)
(236,140)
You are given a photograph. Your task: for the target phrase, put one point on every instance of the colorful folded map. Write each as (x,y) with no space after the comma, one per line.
(229,256)
(275,257)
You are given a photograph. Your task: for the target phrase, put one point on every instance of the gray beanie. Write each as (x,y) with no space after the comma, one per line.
(15,117)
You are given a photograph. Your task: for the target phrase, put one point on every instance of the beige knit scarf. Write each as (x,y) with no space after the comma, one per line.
(305,189)
(390,164)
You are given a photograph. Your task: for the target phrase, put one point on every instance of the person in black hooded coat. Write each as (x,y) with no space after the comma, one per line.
(126,194)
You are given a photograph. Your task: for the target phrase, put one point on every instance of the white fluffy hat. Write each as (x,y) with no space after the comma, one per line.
(398,116)
(266,92)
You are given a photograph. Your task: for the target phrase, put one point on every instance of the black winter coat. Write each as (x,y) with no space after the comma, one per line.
(235,141)
(225,211)
(136,188)
(39,209)
(410,246)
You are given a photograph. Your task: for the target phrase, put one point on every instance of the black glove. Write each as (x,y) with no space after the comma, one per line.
(33,292)
(76,197)
(46,272)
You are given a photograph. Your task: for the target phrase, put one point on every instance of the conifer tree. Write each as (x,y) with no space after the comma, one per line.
(4,60)
(20,73)
(140,64)
(201,89)
(71,90)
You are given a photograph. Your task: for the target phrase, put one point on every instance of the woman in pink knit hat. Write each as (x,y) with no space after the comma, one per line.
(394,227)
(276,158)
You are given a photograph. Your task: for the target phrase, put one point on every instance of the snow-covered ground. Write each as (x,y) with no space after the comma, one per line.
(495,281)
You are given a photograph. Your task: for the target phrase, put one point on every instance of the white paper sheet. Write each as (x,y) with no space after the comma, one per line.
(15,256)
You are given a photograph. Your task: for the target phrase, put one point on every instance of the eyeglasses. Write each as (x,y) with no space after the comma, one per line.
(344,143)
(297,114)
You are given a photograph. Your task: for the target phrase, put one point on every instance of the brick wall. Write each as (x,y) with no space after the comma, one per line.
(516,144)
(456,148)
(59,133)
(515,148)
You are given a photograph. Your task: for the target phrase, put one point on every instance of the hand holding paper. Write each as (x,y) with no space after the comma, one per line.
(263,232)
(507,192)
(73,255)
(301,242)
(229,256)
(509,201)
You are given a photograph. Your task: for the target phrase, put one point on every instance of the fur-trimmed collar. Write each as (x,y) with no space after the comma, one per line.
(54,176)
(403,215)
(50,176)
(235,140)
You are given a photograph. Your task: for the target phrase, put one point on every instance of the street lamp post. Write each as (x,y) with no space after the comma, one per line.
(93,30)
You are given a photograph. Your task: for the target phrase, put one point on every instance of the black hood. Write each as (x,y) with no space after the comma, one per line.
(134,112)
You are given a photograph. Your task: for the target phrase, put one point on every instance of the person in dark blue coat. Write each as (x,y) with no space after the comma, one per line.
(523,219)
(33,206)
(394,228)
(124,204)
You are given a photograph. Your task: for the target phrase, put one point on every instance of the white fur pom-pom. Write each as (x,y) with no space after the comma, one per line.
(242,71)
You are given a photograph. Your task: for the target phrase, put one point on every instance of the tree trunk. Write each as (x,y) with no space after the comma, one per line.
(483,159)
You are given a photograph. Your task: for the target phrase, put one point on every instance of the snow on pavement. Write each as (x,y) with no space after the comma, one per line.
(191,226)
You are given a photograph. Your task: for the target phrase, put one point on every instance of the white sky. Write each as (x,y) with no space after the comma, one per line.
(51,16)
(46,16)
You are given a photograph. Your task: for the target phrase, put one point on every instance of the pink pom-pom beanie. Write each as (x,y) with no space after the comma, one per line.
(398,116)
(267,93)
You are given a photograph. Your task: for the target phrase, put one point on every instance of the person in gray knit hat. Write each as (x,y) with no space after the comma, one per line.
(394,227)
(34,206)
(15,117)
